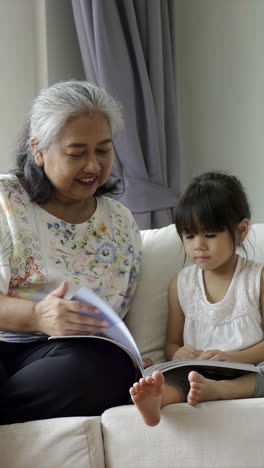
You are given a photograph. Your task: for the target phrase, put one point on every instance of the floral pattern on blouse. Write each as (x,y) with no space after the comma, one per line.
(38,251)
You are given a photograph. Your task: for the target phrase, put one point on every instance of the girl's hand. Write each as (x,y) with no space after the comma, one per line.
(187,352)
(215,355)
(147,362)
(57,316)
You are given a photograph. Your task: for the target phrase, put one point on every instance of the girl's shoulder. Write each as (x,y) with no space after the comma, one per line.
(188,271)
(247,265)
(188,278)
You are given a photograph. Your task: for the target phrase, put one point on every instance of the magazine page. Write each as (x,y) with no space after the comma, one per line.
(116,331)
(226,366)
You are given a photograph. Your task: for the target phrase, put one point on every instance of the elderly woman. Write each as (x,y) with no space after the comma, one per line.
(59,231)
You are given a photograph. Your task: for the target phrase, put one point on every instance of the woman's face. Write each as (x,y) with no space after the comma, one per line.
(81,158)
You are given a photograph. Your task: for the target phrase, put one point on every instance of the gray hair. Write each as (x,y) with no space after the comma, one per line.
(55,105)
(51,109)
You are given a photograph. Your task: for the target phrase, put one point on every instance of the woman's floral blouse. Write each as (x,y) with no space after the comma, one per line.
(38,251)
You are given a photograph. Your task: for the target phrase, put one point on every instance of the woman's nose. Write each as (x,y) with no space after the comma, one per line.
(91,164)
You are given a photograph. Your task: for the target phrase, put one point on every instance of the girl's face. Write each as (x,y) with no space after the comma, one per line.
(81,159)
(213,251)
(209,251)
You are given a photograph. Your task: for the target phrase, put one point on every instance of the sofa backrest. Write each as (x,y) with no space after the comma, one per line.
(163,256)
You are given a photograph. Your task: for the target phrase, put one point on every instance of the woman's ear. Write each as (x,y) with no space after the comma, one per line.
(37,153)
(243,228)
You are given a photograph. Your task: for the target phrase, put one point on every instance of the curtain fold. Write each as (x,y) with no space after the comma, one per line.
(127,48)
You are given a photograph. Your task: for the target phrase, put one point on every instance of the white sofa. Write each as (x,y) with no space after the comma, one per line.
(222,434)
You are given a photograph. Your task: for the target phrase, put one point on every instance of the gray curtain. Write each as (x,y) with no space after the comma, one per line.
(127,48)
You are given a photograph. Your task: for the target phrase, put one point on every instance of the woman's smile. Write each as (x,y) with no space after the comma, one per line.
(88,181)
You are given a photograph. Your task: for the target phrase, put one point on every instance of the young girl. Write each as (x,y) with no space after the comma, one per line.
(216,306)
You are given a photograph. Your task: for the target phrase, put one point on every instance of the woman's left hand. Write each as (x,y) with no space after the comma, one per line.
(215,355)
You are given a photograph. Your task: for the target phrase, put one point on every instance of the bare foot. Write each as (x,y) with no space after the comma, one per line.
(202,389)
(146,395)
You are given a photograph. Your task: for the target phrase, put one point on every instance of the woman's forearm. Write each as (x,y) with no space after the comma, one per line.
(17,314)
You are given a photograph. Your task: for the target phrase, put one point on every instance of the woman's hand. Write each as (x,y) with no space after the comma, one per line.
(187,352)
(57,316)
(215,355)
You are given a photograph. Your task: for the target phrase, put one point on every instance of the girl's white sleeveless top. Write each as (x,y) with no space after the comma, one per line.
(234,323)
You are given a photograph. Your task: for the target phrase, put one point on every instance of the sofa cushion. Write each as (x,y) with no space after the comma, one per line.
(53,443)
(220,434)
(163,256)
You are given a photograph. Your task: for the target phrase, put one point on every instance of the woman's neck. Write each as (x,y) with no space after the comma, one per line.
(71,212)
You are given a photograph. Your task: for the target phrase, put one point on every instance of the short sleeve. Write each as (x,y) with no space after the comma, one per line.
(6,248)
(134,249)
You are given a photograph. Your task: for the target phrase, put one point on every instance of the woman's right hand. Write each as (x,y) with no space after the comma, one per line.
(187,352)
(57,316)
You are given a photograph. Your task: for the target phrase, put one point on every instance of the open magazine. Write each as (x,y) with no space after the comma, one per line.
(118,333)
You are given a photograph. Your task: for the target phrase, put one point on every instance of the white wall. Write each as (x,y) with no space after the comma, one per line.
(220,76)
(38,46)
(17,75)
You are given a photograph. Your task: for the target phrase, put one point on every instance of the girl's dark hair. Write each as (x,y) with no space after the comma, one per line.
(50,111)
(212,202)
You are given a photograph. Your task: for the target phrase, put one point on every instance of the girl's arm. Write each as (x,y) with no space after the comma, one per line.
(174,347)
(252,355)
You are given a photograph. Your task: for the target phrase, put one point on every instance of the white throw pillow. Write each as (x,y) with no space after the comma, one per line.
(163,256)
